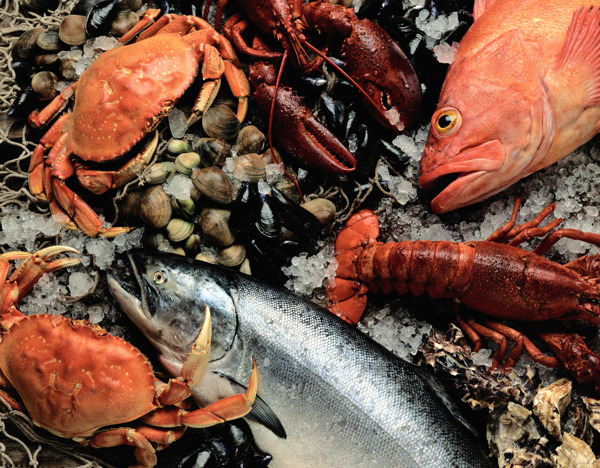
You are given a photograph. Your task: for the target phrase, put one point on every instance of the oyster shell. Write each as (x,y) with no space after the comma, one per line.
(550,403)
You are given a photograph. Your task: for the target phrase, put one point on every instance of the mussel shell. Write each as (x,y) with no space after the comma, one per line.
(155,207)
(215,227)
(179,229)
(213,183)
(323,209)
(23,72)
(72,30)
(267,222)
(100,17)
(251,167)
(250,140)
(40,5)
(213,151)
(244,209)
(267,258)
(25,46)
(298,220)
(125,20)
(220,121)
(232,256)
(44,85)
(49,41)
(25,103)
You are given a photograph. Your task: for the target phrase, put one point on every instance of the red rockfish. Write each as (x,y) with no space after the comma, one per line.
(522,93)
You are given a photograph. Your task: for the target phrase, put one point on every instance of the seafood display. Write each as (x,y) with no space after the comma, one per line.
(260,182)
(516,98)
(317,371)
(493,276)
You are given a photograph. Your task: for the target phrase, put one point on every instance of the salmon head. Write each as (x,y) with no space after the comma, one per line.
(492,124)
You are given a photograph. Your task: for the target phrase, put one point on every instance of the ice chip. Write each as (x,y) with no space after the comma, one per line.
(179,186)
(80,284)
(177,123)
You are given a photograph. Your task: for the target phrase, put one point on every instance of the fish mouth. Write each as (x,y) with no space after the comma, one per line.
(460,178)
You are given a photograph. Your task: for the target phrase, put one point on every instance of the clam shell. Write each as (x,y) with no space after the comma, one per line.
(176,146)
(134,5)
(213,183)
(185,162)
(44,85)
(221,122)
(72,30)
(213,151)
(250,167)
(130,208)
(192,244)
(250,140)
(215,227)
(124,21)
(155,240)
(67,70)
(207,257)
(232,256)
(184,208)
(155,207)
(323,209)
(179,229)
(245,267)
(47,60)
(49,41)
(159,172)
(25,46)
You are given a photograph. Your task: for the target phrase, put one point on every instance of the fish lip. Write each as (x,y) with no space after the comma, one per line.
(446,200)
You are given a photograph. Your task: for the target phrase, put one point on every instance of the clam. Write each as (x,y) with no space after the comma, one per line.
(232,256)
(179,229)
(155,240)
(130,208)
(72,30)
(155,207)
(250,167)
(47,60)
(213,151)
(25,46)
(159,172)
(125,20)
(184,207)
(67,70)
(250,140)
(49,41)
(215,227)
(195,194)
(288,187)
(206,256)
(176,146)
(44,85)
(221,122)
(322,208)
(192,244)
(213,183)
(268,156)
(185,162)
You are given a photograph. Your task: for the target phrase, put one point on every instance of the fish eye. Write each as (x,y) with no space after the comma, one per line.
(446,122)
(160,277)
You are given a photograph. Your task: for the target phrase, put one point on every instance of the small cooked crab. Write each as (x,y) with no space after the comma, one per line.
(119,99)
(74,379)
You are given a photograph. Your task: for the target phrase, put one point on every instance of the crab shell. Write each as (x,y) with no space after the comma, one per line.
(74,378)
(126,92)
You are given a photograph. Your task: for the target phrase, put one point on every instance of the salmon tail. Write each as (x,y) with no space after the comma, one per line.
(581,50)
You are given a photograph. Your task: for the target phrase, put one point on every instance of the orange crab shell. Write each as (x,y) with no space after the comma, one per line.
(73,378)
(123,94)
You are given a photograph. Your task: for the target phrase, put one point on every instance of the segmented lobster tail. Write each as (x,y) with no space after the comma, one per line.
(346,293)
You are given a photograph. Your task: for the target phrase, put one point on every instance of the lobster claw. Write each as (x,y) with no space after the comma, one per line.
(383,71)
(300,134)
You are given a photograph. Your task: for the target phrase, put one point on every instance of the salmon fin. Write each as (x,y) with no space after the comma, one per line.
(581,49)
(480,6)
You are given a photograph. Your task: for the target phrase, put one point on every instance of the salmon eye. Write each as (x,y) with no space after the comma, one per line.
(446,122)
(160,277)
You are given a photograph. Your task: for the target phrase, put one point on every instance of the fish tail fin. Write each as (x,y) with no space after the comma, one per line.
(581,49)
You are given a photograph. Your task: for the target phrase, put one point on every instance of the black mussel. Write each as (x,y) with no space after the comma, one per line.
(23,73)
(267,223)
(40,5)
(228,445)
(181,7)
(244,210)
(25,103)
(266,259)
(100,17)
(298,220)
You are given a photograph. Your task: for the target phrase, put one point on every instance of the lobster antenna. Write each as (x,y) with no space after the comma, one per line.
(342,72)
(271,113)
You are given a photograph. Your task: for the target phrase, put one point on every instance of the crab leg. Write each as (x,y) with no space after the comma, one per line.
(144,452)
(38,119)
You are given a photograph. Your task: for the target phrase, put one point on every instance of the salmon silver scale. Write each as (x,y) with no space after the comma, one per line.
(339,398)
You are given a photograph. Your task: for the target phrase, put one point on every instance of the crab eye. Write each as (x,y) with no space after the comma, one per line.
(446,122)
(160,277)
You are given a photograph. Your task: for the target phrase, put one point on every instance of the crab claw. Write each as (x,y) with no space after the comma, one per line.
(301,135)
(28,273)
(575,355)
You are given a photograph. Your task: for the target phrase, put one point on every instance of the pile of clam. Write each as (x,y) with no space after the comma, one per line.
(41,56)
(231,213)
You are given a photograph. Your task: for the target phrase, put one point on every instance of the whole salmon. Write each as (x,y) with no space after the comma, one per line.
(330,396)
(522,93)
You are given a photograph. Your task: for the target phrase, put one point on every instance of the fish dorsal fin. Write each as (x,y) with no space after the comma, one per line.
(480,6)
(260,413)
(581,50)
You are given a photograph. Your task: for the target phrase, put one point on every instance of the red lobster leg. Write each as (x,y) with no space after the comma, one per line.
(577,358)
(303,136)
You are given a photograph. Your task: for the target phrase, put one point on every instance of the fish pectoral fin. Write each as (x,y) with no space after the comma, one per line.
(581,50)
(261,413)
(480,6)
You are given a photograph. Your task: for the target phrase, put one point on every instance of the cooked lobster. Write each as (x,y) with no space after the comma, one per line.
(494,276)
